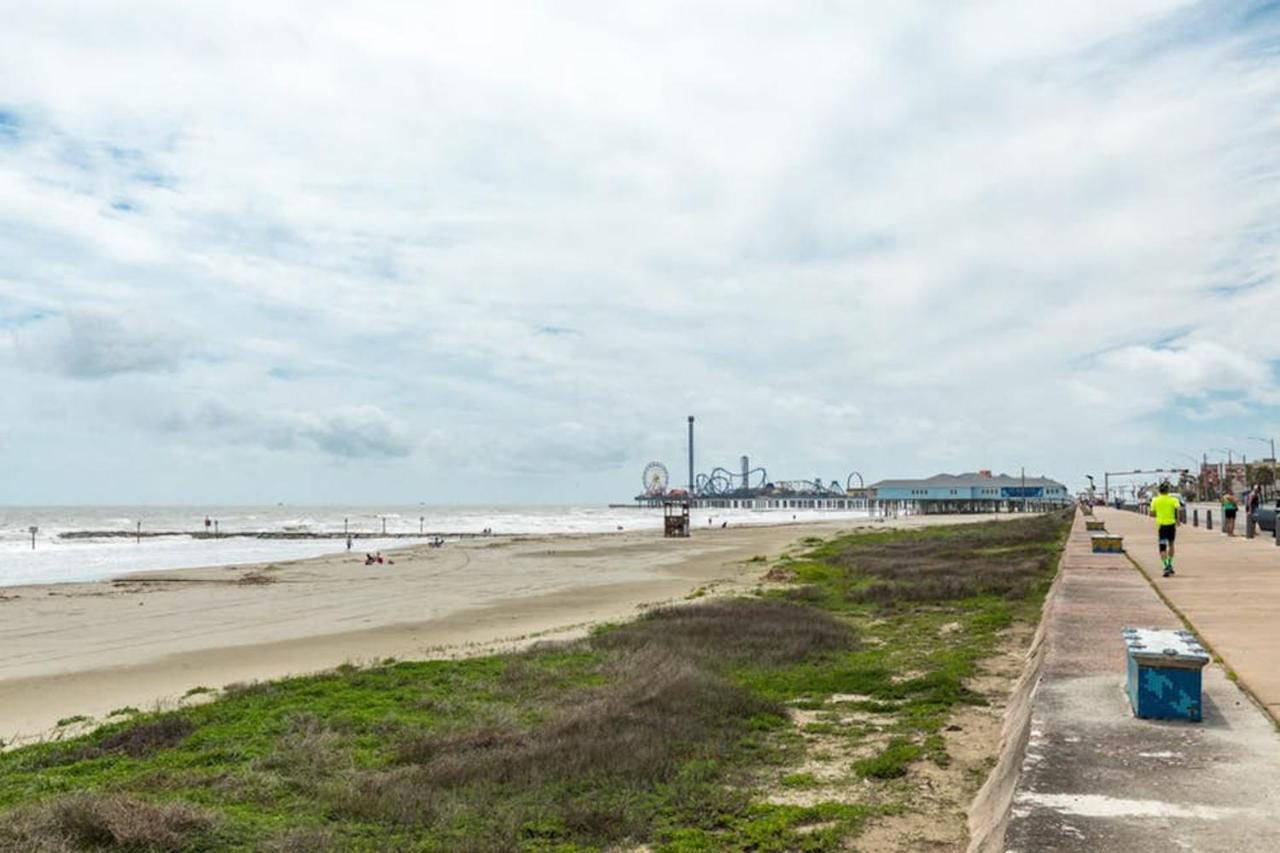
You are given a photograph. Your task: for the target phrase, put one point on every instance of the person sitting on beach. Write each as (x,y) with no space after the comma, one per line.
(369,559)
(380,559)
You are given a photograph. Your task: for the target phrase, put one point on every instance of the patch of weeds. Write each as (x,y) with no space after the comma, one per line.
(799,780)
(891,763)
(114,821)
(197,690)
(68,721)
(136,740)
(935,749)
(720,633)
(770,828)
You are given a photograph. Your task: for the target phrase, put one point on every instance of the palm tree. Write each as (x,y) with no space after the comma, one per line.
(1264,476)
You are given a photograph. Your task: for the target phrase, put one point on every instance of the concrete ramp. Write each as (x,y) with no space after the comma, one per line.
(1078,772)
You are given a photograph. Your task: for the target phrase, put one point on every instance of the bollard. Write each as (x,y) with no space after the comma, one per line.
(1195,518)
(1208,519)
(1249,525)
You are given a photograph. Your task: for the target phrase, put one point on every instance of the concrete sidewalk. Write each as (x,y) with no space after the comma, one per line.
(1227,587)
(1095,778)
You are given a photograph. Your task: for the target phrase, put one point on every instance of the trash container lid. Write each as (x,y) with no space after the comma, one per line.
(1165,647)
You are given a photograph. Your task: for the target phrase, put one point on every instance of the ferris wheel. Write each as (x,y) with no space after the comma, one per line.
(656,478)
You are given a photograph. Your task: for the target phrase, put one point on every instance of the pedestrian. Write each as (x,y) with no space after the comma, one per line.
(1255,500)
(1229,509)
(1165,507)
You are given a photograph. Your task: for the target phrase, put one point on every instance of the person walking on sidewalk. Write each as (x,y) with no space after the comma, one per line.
(1165,507)
(1229,509)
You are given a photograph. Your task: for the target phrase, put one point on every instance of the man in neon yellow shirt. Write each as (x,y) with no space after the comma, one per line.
(1165,507)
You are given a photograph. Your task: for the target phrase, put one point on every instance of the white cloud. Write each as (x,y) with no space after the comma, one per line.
(896,239)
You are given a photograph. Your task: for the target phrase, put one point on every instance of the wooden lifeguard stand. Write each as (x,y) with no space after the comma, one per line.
(675,519)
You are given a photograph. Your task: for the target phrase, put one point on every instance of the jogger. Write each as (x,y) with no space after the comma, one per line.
(1164,507)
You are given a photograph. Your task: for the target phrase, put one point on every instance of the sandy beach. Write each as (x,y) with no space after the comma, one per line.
(145,640)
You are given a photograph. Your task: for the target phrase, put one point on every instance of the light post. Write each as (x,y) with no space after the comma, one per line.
(1226,470)
(1270,441)
(1199,478)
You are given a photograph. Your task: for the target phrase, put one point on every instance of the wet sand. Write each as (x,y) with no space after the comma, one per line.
(144,640)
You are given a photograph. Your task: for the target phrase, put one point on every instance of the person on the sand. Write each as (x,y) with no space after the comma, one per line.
(1165,507)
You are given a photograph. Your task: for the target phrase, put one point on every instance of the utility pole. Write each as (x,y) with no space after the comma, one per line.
(1024,488)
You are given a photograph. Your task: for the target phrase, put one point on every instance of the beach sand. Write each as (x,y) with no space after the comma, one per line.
(145,640)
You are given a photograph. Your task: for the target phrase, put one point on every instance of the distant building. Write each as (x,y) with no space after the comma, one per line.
(1213,475)
(979,491)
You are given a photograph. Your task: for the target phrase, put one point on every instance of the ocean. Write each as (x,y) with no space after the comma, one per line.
(57,559)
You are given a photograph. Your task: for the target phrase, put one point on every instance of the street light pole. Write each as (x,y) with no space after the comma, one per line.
(1270,441)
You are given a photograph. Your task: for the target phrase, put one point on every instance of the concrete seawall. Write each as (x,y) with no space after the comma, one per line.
(1078,772)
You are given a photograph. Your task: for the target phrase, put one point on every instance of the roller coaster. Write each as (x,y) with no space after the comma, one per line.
(754,482)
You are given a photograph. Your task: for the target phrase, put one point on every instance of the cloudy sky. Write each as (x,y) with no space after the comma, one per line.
(496,252)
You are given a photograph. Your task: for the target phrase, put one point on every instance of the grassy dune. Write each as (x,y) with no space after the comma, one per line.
(665,731)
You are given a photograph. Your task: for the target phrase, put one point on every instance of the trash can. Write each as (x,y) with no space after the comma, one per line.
(1107,543)
(1095,524)
(1164,674)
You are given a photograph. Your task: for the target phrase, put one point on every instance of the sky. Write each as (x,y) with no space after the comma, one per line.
(496,253)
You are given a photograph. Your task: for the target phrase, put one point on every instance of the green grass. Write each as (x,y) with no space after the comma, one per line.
(657,731)
(892,762)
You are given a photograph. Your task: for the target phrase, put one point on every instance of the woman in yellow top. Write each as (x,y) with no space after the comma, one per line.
(1164,507)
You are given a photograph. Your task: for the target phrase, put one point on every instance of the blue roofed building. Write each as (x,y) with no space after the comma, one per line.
(980,491)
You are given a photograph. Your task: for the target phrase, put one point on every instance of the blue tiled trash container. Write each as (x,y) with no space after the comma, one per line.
(1164,673)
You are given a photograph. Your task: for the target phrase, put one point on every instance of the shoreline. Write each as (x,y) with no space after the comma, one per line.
(150,637)
(99,554)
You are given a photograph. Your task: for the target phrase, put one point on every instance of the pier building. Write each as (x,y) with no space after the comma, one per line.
(979,491)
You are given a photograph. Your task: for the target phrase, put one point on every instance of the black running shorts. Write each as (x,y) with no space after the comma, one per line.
(1166,532)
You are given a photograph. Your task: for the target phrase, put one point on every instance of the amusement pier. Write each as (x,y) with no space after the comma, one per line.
(751,488)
